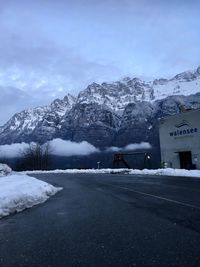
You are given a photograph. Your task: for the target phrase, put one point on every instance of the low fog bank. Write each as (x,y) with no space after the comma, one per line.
(61,147)
(130,147)
(13,150)
(57,146)
(82,155)
(68,148)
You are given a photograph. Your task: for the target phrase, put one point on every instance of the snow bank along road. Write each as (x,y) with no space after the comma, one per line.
(18,192)
(166,172)
(107,220)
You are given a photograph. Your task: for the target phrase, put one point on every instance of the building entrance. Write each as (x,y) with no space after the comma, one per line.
(185,160)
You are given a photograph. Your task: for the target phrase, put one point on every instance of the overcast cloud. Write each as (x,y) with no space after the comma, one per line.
(49,48)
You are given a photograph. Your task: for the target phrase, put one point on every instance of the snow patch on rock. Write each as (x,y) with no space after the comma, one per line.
(5,169)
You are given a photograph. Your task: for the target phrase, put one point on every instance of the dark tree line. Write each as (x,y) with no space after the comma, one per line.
(35,157)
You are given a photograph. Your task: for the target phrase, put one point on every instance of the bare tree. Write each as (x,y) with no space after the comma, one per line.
(36,157)
(47,149)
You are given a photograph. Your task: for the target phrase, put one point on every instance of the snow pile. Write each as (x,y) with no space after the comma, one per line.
(167,172)
(18,192)
(5,169)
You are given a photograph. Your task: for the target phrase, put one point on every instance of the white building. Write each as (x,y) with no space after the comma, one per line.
(180,140)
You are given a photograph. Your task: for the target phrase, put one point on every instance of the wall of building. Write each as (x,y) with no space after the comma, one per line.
(180,133)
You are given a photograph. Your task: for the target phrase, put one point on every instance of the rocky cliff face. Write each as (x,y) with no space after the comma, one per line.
(119,113)
(140,119)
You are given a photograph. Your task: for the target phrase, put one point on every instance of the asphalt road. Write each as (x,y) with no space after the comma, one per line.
(107,220)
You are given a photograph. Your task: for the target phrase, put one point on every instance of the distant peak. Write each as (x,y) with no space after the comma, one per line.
(126,79)
(94,84)
(187,76)
(69,97)
(198,70)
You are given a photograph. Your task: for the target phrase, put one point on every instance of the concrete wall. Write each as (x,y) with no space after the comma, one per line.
(180,133)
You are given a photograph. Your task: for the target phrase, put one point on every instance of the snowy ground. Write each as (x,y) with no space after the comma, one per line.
(18,192)
(168,172)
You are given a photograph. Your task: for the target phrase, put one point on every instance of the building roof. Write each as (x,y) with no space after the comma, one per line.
(180,114)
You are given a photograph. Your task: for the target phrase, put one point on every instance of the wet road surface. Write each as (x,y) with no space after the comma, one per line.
(107,220)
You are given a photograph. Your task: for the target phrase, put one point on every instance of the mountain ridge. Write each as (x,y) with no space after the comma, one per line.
(102,112)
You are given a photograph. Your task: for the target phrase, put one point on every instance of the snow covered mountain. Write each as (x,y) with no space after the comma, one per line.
(107,114)
(119,94)
(35,121)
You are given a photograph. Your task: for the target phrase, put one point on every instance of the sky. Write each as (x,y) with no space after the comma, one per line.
(50,48)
